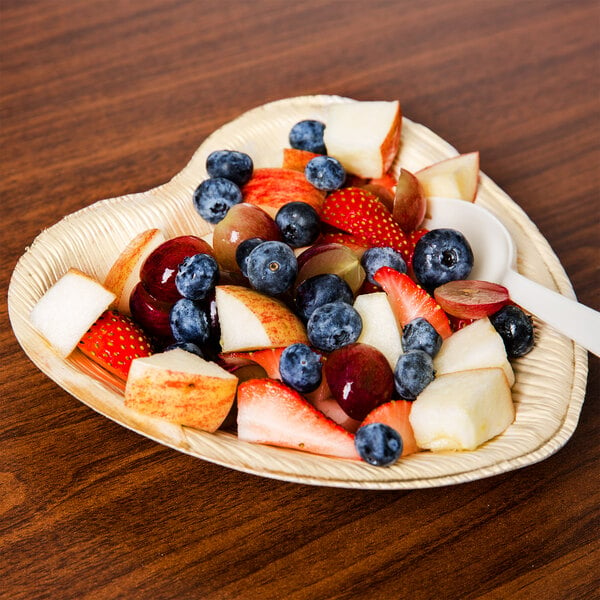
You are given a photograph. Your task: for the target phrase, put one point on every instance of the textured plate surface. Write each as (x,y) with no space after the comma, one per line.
(550,381)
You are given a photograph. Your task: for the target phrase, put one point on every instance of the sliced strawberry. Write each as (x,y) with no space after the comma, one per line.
(360,213)
(456,323)
(296,159)
(355,243)
(270,412)
(409,300)
(395,414)
(416,235)
(268,359)
(271,188)
(113,341)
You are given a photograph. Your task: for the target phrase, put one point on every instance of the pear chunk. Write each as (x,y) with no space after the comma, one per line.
(462,410)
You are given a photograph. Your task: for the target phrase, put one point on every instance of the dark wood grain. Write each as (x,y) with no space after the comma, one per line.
(103,98)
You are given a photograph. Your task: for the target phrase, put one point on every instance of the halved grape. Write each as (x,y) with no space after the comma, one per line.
(471,298)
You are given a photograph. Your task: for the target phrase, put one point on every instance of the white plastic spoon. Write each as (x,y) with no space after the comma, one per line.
(495,260)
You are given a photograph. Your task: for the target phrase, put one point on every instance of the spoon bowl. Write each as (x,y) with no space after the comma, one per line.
(495,257)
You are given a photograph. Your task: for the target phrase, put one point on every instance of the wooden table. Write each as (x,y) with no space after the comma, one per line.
(104,98)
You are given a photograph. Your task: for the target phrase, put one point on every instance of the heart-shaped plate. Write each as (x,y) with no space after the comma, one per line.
(550,380)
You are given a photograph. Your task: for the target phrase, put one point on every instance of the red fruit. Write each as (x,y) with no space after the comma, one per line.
(270,412)
(268,359)
(113,341)
(383,187)
(395,414)
(360,378)
(360,213)
(410,203)
(457,323)
(471,299)
(271,188)
(409,300)
(416,235)
(151,314)
(160,268)
(357,244)
(296,159)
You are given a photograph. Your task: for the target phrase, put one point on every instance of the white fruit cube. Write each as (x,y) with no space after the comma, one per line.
(363,136)
(68,309)
(456,177)
(476,346)
(380,328)
(462,410)
(182,388)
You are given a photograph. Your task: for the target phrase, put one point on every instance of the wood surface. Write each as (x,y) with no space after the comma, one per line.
(100,99)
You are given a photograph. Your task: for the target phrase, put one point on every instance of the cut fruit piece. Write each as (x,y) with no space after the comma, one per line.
(357,244)
(409,301)
(364,136)
(471,299)
(250,320)
(268,359)
(272,187)
(114,341)
(182,388)
(270,412)
(456,177)
(475,346)
(125,272)
(410,204)
(331,258)
(330,407)
(380,328)
(296,159)
(69,308)
(395,413)
(462,410)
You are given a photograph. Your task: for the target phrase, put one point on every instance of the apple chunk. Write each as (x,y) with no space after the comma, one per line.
(250,320)
(462,410)
(182,388)
(380,328)
(476,346)
(456,177)
(125,271)
(364,136)
(68,309)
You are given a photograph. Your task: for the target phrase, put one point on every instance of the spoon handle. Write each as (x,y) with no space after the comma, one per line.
(577,321)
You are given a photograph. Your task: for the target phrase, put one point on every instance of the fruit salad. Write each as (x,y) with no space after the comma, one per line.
(319,314)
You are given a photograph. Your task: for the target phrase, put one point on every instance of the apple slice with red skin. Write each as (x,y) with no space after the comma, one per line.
(471,298)
(410,203)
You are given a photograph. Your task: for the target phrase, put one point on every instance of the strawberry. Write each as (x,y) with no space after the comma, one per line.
(409,300)
(360,213)
(113,341)
(395,414)
(268,359)
(357,244)
(269,412)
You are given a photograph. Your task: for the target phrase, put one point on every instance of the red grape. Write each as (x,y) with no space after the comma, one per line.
(159,269)
(470,298)
(150,314)
(360,379)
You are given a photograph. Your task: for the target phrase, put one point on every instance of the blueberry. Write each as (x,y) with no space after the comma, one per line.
(189,322)
(243,251)
(308,135)
(187,346)
(196,276)
(516,330)
(272,267)
(230,164)
(413,373)
(442,255)
(299,224)
(420,334)
(325,173)
(375,258)
(300,368)
(214,197)
(319,290)
(333,325)
(378,444)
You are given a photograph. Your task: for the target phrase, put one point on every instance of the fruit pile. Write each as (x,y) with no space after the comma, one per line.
(319,314)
